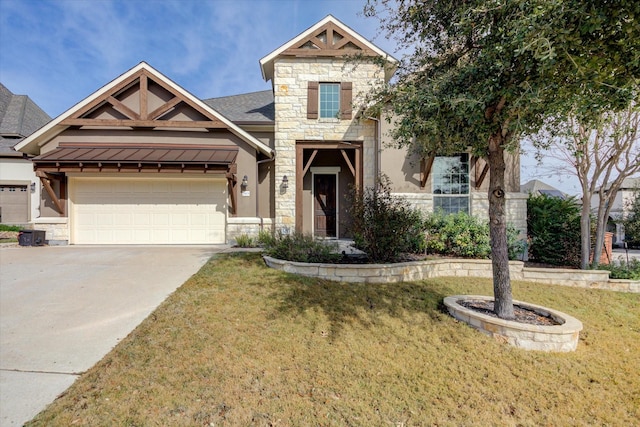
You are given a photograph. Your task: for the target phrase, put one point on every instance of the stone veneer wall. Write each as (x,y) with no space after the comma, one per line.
(56,230)
(419,270)
(246,225)
(290,83)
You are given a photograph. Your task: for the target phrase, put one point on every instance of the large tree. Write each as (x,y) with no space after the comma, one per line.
(482,74)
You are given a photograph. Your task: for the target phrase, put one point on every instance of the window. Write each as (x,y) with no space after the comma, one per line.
(451,183)
(329,100)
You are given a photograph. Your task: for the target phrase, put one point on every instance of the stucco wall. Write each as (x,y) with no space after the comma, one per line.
(290,82)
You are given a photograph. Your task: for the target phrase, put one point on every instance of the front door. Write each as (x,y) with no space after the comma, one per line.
(324,205)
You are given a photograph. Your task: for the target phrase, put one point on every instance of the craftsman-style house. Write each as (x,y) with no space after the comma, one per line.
(142,161)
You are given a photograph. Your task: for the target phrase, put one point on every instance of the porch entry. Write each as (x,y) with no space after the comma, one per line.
(325,171)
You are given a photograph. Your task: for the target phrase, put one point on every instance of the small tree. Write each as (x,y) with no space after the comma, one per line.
(601,155)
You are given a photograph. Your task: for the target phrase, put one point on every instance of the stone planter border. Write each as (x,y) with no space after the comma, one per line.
(555,338)
(419,270)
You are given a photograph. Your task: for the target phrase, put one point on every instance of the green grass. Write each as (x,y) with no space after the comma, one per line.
(240,344)
(4,227)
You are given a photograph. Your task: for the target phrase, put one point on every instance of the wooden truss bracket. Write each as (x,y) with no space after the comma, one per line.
(45,179)
(425,169)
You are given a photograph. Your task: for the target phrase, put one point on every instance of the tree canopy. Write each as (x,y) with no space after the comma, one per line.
(486,66)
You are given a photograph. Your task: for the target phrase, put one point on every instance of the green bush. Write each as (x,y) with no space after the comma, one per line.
(458,234)
(463,235)
(631,222)
(553,226)
(301,247)
(385,226)
(623,270)
(266,238)
(245,241)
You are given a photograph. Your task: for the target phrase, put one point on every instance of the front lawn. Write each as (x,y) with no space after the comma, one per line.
(240,344)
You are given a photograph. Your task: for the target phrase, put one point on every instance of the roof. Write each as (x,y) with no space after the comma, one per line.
(248,108)
(55,126)
(19,118)
(538,187)
(267,62)
(145,154)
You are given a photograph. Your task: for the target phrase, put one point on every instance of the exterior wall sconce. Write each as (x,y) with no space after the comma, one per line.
(285,182)
(245,181)
(33,187)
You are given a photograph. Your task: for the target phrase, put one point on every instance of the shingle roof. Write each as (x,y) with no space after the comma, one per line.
(254,107)
(19,118)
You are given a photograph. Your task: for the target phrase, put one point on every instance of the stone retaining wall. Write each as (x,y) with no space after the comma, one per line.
(418,270)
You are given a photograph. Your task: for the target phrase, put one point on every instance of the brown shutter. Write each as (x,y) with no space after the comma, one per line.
(345,100)
(312,100)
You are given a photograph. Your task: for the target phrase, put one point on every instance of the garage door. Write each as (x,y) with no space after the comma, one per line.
(14,204)
(148,211)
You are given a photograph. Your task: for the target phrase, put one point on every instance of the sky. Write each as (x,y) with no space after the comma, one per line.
(59,52)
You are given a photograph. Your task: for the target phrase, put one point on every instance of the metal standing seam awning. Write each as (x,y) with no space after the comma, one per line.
(142,158)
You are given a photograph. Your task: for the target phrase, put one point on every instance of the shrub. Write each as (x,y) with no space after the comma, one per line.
(458,234)
(463,235)
(623,270)
(385,226)
(631,222)
(553,226)
(266,238)
(245,241)
(301,247)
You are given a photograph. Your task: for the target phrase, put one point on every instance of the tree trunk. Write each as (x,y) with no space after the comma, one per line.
(585,231)
(498,230)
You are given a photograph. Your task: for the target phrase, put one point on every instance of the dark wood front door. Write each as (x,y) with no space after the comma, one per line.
(324,205)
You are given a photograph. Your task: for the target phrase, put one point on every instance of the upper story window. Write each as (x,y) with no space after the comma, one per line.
(450,183)
(329,100)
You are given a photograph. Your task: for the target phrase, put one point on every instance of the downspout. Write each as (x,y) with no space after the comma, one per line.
(376,146)
(258,163)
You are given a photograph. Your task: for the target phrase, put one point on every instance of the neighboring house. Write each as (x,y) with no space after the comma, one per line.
(537,188)
(19,193)
(141,160)
(621,205)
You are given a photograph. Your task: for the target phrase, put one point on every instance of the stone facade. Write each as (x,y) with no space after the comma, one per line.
(290,85)
(56,230)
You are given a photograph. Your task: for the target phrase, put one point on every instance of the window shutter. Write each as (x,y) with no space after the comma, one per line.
(312,100)
(345,100)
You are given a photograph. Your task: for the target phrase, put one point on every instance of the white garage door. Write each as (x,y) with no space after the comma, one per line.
(148,210)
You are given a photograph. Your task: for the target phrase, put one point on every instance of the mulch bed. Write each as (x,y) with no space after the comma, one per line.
(523,315)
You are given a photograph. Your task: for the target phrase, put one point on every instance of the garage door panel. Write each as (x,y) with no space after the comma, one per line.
(148,211)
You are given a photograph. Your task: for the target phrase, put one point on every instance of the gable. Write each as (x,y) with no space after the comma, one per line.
(143,99)
(327,38)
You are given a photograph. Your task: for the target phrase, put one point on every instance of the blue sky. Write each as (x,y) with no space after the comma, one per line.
(59,52)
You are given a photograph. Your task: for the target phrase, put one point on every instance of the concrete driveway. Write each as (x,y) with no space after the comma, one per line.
(63,308)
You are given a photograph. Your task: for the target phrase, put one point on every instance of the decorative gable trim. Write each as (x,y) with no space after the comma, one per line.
(327,38)
(105,107)
(329,41)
